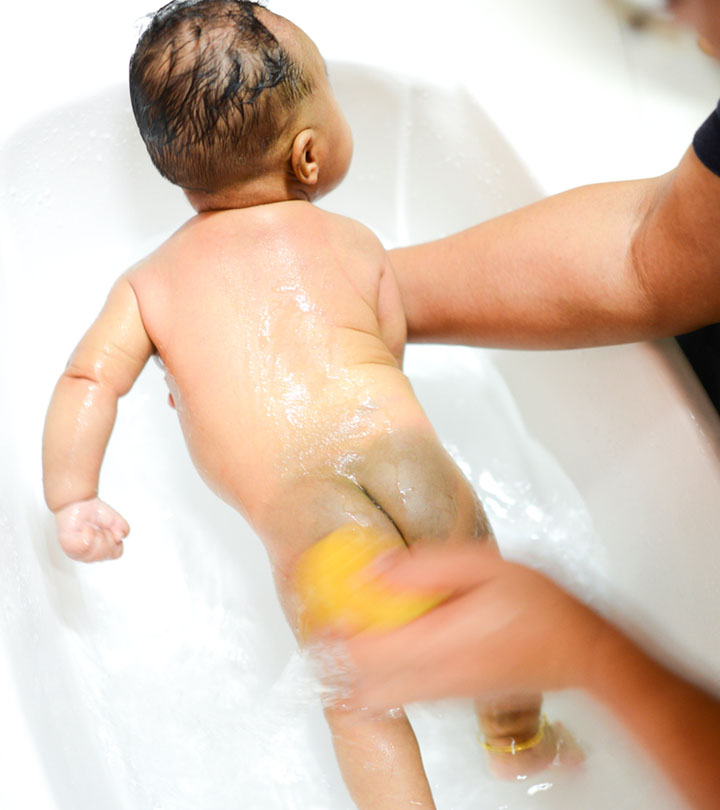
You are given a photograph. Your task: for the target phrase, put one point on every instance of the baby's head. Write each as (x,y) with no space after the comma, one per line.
(233,103)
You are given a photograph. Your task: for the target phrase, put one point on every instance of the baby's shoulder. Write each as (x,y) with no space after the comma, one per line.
(295,223)
(354,231)
(303,229)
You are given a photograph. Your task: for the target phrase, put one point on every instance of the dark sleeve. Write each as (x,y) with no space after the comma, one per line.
(707,142)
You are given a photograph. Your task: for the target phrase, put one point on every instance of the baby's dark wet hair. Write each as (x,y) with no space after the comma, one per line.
(212,90)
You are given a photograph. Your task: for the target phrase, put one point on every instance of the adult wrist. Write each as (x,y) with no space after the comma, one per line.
(620,672)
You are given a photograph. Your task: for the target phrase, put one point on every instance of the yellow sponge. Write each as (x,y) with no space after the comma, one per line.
(333,593)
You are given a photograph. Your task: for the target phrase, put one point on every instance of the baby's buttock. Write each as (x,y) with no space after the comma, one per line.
(301,462)
(401,482)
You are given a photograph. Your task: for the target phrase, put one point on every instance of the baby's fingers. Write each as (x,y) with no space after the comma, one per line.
(91,530)
(91,544)
(117,527)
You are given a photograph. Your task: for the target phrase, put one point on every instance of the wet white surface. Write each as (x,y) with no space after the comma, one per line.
(168,680)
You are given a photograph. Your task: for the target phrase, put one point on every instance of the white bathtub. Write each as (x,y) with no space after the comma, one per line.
(168,680)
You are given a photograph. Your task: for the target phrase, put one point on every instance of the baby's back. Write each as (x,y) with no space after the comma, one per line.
(281,330)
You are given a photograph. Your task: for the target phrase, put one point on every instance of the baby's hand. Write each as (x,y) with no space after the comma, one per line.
(90,531)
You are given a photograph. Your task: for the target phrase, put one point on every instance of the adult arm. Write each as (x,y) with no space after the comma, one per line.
(601,264)
(505,627)
(675,721)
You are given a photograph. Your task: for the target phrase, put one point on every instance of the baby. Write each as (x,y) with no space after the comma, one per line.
(281,330)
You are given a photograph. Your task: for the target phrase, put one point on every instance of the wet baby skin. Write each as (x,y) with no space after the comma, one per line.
(281,331)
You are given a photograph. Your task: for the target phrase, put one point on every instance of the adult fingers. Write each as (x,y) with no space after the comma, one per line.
(434,656)
(443,568)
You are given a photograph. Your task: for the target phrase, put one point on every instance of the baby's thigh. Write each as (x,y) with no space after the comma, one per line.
(415,482)
(313,508)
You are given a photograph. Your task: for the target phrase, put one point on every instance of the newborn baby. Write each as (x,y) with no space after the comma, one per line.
(281,330)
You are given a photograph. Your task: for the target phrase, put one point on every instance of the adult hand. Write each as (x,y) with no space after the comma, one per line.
(503,627)
(91,530)
(506,628)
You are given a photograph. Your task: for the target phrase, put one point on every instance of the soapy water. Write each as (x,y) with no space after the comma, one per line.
(194,690)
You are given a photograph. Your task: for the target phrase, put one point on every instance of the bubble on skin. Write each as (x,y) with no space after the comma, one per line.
(348,408)
(295,361)
(265,322)
(272,371)
(301,297)
(405,494)
(349,428)
(296,398)
(88,403)
(332,672)
(383,754)
(345,463)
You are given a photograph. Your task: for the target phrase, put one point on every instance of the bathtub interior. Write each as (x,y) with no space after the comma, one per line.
(169,679)
(170,676)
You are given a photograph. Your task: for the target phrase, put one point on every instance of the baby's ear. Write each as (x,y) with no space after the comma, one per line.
(304,157)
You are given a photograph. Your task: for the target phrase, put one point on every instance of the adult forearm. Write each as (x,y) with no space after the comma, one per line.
(676,722)
(602,264)
(555,274)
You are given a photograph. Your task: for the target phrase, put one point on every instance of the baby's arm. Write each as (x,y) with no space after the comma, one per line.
(79,422)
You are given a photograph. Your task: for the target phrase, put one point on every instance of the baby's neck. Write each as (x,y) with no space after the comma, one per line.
(259,191)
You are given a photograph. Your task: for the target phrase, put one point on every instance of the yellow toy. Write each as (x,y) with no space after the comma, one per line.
(335,594)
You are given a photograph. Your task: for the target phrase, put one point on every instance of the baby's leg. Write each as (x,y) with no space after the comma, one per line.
(413,480)
(378,754)
(380,760)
